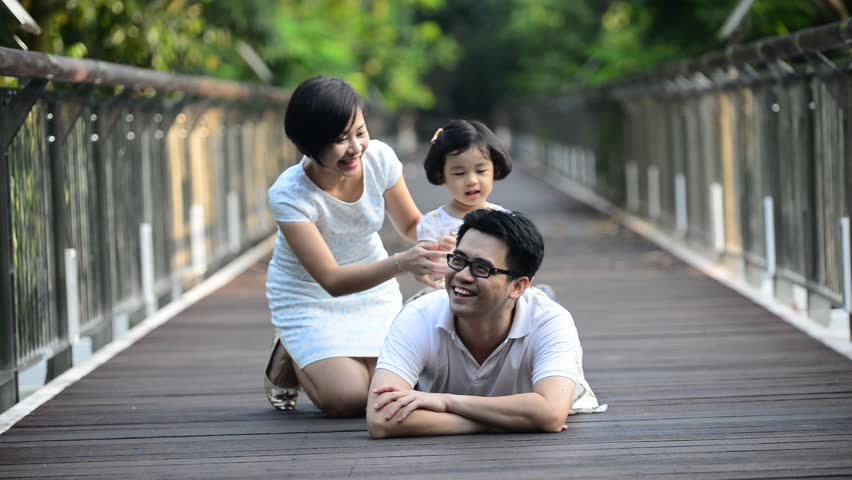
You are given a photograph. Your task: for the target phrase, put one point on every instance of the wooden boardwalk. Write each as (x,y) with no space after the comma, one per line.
(701,383)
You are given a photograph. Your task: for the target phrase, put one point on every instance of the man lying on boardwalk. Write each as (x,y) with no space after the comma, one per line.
(489,353)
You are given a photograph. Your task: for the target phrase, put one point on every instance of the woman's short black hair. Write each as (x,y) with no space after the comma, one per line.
(524,244)
(459,136)
(319,111)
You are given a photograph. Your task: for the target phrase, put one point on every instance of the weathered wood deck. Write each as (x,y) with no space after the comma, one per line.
(700,382)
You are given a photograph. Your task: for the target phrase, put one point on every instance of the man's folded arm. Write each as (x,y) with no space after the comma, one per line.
(419,423)
(542,410)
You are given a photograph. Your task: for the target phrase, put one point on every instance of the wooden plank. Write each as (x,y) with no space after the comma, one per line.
(701,383)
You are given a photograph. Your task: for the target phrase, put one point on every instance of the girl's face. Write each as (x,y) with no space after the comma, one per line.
(343,156)
(469,176)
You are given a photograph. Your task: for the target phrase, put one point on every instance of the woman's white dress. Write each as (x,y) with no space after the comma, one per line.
(312,324)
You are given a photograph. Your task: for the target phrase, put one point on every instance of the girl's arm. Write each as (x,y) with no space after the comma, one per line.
(313,253)
(402,211)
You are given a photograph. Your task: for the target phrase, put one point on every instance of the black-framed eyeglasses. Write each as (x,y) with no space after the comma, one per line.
(477,269)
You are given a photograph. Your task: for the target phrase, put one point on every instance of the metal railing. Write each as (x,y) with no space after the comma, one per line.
(742,154)
(119,188)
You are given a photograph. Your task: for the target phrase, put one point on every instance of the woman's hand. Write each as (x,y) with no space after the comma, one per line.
(424,262)
(447,243)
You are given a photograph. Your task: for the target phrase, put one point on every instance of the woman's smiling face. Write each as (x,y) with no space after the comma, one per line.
(343,156)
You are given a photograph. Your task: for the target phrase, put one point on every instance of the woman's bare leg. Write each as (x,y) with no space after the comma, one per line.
(338,386)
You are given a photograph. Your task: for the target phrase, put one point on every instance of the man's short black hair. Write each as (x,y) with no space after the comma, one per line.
(459,136)
(524,245)
(319,112)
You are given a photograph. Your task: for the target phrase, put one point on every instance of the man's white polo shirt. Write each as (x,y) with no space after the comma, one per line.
(422,347)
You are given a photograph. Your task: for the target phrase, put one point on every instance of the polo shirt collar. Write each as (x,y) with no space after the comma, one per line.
(520,324)
(446,321)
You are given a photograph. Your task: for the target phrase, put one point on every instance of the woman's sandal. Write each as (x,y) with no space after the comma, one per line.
(283,399)
(280,381)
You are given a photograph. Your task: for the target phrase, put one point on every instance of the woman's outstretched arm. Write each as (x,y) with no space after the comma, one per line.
(313,253)
(402,211)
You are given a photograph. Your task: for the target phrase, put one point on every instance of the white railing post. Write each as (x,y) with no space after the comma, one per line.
(840,321)
(632,173)
(581,166)
(573,164)
(768,285)
(72,295)
(653,192)
(593,179)
(717,206)
(234,226)
(847,264)
(146,246)
(681,218)
(197,245)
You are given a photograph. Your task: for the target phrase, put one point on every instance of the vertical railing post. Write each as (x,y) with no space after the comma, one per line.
(768,285)
(103,207)
(8,330)
(146,251)
(72,296)
(593,169)
(234,240)
(653,192)
(236,172)
(846,258)
(198,240)
(717,208)
(840,320)
(58,176)
(632,174)
(681,220)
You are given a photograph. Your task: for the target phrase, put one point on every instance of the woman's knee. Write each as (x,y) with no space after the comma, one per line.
(342,402)
(338,386)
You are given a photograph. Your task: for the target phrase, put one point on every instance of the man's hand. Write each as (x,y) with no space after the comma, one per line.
(399,403)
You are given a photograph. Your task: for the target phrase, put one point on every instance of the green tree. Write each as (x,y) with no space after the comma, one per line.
(639,35)
(513,48)
(384,48)
(159,34)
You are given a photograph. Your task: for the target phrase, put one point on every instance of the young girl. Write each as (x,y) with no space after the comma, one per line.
(467,158)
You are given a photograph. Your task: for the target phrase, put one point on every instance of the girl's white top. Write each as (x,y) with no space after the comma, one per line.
(312,324)
(439,223)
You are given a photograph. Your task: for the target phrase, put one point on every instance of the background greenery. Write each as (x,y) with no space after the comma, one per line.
(450,56)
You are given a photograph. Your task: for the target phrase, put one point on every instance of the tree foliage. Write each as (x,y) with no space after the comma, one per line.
(638,35)
(158,34)
(383,47)
(458,56)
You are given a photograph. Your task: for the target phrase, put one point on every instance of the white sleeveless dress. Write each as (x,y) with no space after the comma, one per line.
(312,324)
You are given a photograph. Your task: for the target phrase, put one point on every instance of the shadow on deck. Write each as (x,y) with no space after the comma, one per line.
(700,382)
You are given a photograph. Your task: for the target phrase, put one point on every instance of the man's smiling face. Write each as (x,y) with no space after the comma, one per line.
(476,297)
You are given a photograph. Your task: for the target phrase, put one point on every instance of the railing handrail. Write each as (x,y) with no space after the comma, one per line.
(28,64)
(787,47)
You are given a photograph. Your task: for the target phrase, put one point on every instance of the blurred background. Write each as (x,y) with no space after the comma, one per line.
(450,57)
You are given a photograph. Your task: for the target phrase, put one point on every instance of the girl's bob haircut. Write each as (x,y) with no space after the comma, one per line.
(459,136)
(320,110)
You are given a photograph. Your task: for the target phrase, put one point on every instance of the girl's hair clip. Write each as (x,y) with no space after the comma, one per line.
(437,134)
